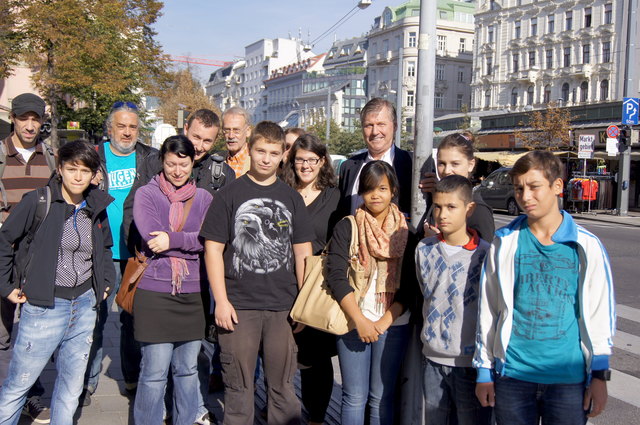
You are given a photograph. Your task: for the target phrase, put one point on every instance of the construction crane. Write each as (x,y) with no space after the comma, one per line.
(198,61)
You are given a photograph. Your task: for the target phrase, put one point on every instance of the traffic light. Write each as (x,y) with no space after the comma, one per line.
(625,135)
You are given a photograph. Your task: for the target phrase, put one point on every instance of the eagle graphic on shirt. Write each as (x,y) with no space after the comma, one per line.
(262,242)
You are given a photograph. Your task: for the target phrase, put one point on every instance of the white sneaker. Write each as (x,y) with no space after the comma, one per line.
(206,419)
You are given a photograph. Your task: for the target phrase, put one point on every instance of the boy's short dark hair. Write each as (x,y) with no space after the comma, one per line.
(269,132)
(455,183)
(207,117)
(79,151)
(549,164)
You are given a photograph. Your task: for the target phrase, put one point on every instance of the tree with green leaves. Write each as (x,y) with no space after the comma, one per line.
(84,50)
(342,142)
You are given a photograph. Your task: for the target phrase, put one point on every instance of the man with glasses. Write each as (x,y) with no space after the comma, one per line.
(236,128)
(121,157)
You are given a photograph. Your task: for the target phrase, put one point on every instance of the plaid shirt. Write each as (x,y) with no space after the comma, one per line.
(237,161)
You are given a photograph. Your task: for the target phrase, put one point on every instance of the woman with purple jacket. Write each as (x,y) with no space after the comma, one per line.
(169,315)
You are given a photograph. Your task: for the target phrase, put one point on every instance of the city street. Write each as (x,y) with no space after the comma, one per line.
(621,242)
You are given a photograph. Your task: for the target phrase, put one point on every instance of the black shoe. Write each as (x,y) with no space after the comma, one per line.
(85,398)
(36,411)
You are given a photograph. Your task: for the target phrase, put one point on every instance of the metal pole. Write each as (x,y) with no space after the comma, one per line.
(425,82)
(399,96)
(412,406)
(328,111)
(625,156)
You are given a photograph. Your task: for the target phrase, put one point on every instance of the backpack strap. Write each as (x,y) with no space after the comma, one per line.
(42,210)
(49,156)
(217,172)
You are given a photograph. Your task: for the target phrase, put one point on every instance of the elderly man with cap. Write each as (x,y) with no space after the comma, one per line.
(26,163)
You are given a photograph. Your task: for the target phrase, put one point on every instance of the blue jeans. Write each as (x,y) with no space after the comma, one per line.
(369,374)
(68,325)
(92,374)
(450,397)
(525,403)
(208,357)
(156,359)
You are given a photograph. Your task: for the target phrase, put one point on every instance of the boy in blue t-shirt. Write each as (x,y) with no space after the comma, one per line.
(546,313)
(448,266)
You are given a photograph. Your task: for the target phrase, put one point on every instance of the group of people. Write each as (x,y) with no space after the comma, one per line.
(514,325)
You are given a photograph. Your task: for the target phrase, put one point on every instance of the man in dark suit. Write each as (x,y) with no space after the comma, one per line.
(378,118)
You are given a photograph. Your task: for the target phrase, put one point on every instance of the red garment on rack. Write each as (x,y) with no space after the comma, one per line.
(589,190)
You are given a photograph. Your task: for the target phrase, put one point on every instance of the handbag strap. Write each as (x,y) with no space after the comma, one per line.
(187,209)
(353,247)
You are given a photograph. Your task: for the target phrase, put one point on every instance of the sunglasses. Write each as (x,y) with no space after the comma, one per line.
(120,104)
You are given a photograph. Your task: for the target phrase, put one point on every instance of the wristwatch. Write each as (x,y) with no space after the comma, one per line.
(604,375)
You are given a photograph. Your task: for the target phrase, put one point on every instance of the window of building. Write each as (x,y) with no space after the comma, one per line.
(385,46)
(489,66)
(532,59)
(584,91)
(586,53)
(412,42)
(438,100)
(490,34)
(517,27)
(568,20)
(514,97)
(487,98)
(530,95)
(534,27)
(459,102)
(442,44)
(549,58)
(439,71)
(410,98)
(411,69)
(516,59)
(567,56)
(461,74)
(547,94)
(587,17)
(551,24)
(462,47)
(408,125)
(604,89)
(565,92)
(606,51)
(608,13)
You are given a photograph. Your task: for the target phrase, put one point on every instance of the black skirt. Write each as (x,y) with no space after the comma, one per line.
(161,317)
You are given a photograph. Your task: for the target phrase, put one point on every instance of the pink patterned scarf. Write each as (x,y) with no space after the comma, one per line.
(177,197)
(381,248)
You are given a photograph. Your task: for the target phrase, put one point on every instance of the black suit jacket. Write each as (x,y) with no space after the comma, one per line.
(403,166)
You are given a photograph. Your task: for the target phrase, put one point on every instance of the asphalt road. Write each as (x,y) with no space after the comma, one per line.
(623,245)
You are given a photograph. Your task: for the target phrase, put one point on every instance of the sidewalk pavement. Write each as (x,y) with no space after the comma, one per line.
(631,219)
(110,407)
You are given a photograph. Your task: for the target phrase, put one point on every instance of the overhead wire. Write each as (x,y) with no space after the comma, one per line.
(341,21)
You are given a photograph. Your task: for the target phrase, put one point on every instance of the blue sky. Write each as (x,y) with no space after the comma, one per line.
(220,29)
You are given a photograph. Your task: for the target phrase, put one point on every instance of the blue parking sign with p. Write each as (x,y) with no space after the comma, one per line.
(630,111)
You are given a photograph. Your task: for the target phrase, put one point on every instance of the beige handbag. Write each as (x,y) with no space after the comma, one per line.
(315,306)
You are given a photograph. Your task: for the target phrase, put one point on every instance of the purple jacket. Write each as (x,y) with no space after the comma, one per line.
(151,213)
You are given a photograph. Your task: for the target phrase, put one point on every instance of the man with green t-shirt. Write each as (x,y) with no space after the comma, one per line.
(121,156)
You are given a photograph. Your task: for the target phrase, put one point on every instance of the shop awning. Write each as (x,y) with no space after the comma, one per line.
(507,159)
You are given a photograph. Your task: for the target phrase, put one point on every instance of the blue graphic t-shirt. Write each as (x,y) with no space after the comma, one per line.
(122,172)
(545,339)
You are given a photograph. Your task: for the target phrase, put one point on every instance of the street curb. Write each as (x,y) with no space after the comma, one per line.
(628,220)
